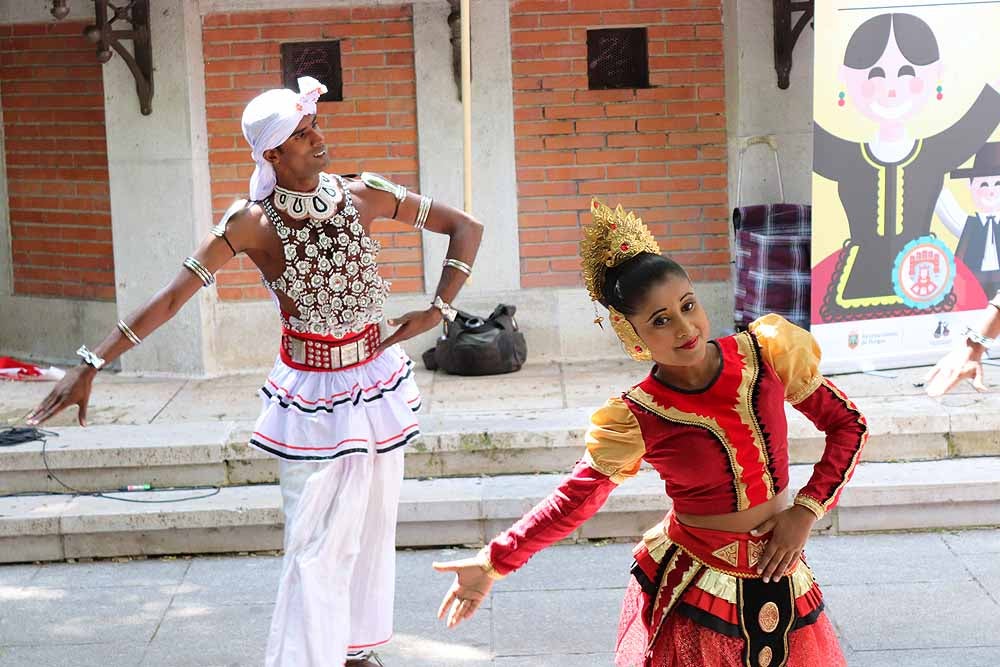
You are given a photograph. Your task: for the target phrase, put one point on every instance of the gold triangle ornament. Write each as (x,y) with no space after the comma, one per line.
(613,237)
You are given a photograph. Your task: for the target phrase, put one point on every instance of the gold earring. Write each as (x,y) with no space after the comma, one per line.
(629,338)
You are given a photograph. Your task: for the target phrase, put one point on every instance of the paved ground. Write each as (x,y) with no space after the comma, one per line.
(911,600)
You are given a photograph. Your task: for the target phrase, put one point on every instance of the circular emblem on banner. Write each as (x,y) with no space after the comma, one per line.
(924,272)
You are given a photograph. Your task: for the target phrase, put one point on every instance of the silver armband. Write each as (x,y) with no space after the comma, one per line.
(458,265)
(198,269)
(127,331)
(423,211)
(90,358)
(377,182)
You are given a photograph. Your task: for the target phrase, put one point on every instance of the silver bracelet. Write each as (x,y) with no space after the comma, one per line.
(423,211)
(125,329)
(90,358)
(459,265)
(198,269)
(447,311)
(975,337)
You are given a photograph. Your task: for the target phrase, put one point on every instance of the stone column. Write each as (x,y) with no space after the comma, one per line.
(439,124)
(160,189)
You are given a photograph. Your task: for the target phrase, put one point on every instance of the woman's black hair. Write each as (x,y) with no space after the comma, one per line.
(626,285)
(914,37)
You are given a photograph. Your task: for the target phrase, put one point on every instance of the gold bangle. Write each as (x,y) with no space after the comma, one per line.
(125,329)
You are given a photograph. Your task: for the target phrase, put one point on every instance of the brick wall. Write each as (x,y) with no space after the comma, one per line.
(57,168)
(373,129)
(660,151)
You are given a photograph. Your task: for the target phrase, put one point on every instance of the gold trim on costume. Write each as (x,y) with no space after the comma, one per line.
(656,541)
(483,560)
(754,551)
(810,504)
(729,553)
(748,378)
(768,616)
(857,453)
(766,654)
(672,414)
(719,584)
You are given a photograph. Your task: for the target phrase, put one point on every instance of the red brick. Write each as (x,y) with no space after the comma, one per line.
(633,140)
(574,141)
(603,126)
(575,111)
(576,173)
(550,279)
(696,138)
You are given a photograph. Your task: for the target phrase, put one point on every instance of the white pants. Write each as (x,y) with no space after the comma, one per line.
(335,595)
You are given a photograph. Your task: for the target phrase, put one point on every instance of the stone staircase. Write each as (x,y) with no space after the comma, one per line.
(928,465)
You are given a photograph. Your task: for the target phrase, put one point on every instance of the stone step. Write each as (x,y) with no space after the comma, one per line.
(953,493)
(215,453)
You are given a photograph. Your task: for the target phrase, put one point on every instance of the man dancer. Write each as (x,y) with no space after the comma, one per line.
(339,404)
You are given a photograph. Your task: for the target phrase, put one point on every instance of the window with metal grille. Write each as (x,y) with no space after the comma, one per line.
(617,58)
(320,60)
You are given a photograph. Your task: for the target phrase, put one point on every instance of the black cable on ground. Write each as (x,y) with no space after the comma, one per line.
(19,435)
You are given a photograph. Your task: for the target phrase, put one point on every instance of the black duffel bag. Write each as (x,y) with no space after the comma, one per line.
(474,346)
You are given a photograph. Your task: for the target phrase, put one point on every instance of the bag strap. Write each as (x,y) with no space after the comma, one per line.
(746,144)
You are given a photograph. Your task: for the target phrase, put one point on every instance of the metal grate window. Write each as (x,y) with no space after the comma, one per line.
(617,58)
(320,60)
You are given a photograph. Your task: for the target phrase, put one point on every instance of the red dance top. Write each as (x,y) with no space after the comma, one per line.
(718,450)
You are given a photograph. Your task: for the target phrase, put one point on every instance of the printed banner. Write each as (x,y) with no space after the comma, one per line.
(906,178)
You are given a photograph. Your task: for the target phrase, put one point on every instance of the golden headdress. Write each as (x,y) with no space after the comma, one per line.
(612,237)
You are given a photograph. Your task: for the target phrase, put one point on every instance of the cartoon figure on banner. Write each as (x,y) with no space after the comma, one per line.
(978,248)
(890,186)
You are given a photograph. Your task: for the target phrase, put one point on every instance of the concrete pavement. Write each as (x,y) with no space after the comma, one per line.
(900,599)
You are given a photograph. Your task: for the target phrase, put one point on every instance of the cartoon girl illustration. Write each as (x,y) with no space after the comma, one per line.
(889,186)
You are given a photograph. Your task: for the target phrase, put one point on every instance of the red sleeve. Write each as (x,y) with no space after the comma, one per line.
(846,434)
(567,508)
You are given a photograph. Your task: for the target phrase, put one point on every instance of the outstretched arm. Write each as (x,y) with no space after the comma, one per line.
(965,362)
(615,447)
(74,388)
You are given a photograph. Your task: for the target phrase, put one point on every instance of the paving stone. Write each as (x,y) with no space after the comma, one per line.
(877,559)
(118,654)
(915,616)
(199,636)
(34,615)
(110,574)
(587,621)
(953,657)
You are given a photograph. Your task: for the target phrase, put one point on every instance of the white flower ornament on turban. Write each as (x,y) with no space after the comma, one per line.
(269,120)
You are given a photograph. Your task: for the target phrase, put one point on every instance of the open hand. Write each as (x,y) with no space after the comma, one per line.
(412,324)
(789,532)
(73,389)
(471,587)
(960,364)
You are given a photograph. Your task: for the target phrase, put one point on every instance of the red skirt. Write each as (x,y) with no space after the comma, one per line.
(687,606)
(684,643)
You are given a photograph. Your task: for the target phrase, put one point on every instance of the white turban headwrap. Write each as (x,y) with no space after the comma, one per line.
(269,120)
